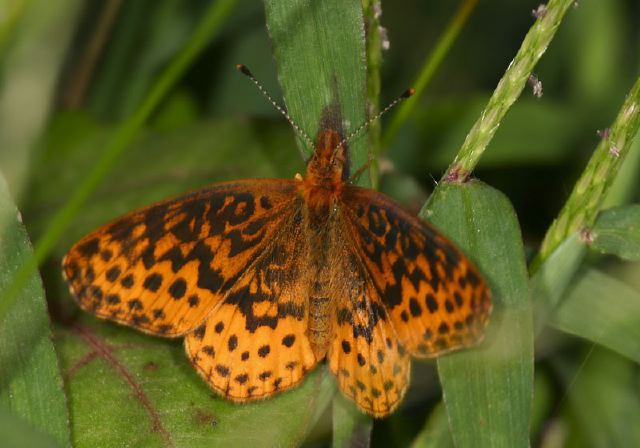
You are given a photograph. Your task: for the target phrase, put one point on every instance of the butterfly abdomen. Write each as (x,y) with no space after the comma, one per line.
(319,321)
(319,324)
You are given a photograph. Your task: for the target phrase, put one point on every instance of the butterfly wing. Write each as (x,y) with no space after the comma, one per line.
(371,366)
(255,344)
(435,298)
(164,268)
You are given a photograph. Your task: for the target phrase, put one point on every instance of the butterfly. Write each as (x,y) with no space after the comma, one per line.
(266,278)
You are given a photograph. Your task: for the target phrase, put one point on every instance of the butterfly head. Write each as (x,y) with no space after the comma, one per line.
(328,166)
(327,169)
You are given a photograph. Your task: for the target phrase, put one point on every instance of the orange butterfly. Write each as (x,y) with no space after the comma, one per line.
(264,278)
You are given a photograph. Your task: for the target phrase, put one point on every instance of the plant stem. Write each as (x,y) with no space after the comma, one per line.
(124,135)
(589,193)
(508,90)
(429,68)
(371,10)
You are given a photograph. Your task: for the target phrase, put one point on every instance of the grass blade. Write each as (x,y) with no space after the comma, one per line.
(603,310)
(435,433)
(600,409)
(429,68)
(320,55)
(617,231)
(488,390)
(30,381)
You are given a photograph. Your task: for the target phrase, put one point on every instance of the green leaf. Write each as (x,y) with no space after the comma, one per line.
(30,382)
(543,401)
(16,432)
(602,406)
(350,426)
(617,232)
(551,279)
(435,433)
(603,310)
(488,390)
(127,388)
(320,54)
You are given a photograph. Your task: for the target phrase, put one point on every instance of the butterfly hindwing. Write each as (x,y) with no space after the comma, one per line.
(255,344)
(164,268)
(371,366)
(435,297)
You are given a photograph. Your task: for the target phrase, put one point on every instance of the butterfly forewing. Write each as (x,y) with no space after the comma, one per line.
(164,268)
(255,344)
(434,296)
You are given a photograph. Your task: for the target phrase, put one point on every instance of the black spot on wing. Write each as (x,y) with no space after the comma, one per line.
(189,227)
(265,203)
(376,220)
(89,248)
(239,210)
(153,282)
(178,288)
(365,321)
(113,273)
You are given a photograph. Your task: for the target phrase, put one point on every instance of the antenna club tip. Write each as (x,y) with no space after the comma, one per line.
(244,70)
(409,92)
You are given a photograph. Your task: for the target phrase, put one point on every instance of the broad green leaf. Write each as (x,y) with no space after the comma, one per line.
(16,432)
(127,388)
(603,310)
(320,54)
(617,232)
(488,390)
(602,406)
(30,381)
(435,433)
(350,426)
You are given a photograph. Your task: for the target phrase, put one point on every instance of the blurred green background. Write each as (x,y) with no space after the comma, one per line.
(71,71)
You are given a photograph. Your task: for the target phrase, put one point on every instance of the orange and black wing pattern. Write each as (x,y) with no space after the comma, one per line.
(163,269)
(371,366)
(435,298)
(255,343)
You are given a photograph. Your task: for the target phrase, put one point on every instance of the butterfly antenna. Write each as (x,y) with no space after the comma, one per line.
(245,71)
(406,94)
